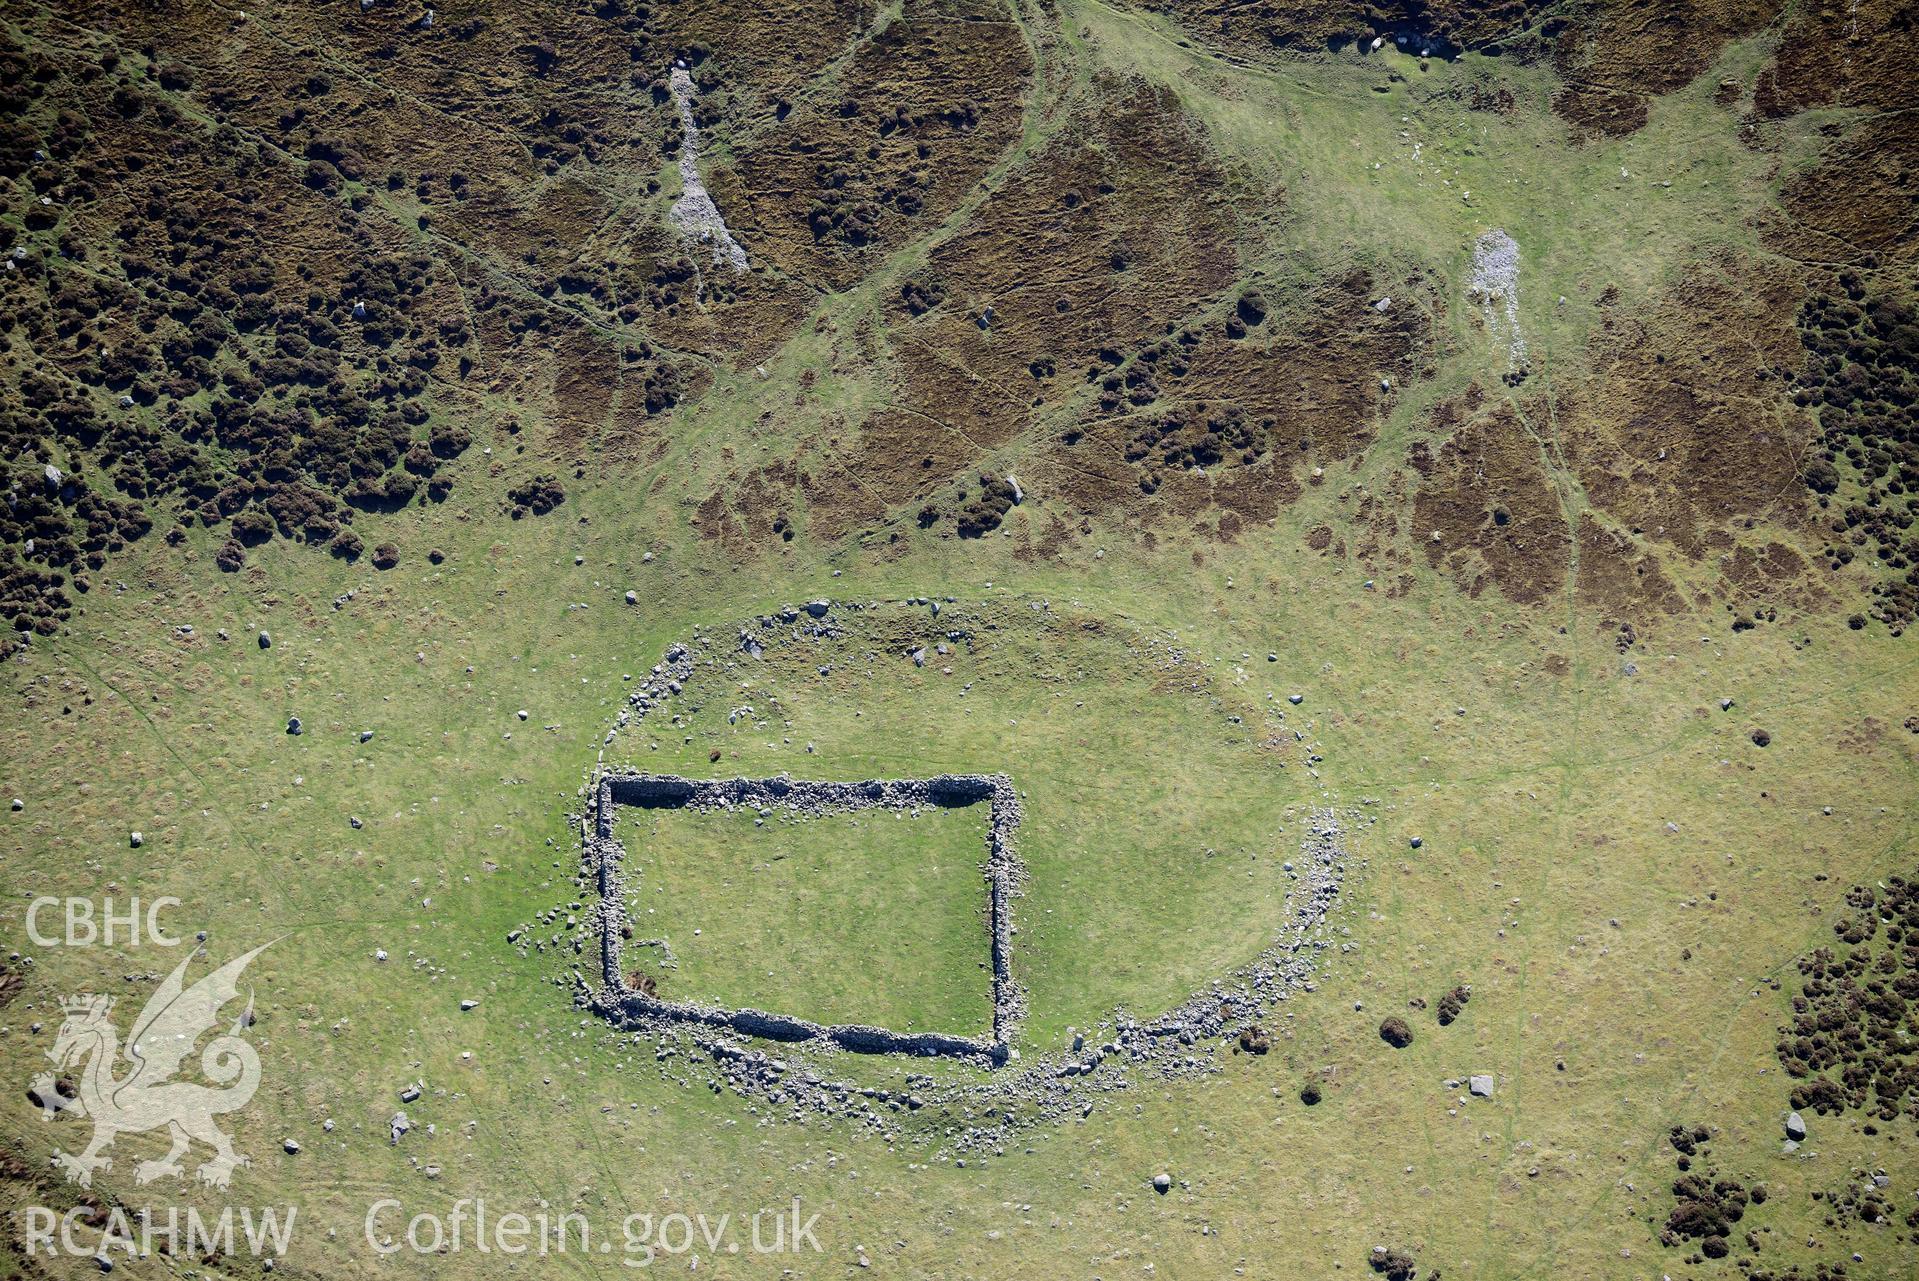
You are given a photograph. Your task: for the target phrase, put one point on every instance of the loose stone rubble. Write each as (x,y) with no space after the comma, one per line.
(694,213)
(1495,286)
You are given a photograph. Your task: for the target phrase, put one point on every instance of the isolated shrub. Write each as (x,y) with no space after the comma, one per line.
(388,493)
(1691,1218)
(984,514)
(539,496)
(253,527)
(1394,1265)
(347,545)
(921,294)
(448,440)
(1822,477)
(231,557)
(663,387)
(1394,1032)
(1705,1209)
(1686,1141)
(322,176)
(1309,1093)
(1452,1003)
(386,556)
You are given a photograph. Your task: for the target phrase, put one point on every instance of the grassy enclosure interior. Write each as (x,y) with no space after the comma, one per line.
(874,917)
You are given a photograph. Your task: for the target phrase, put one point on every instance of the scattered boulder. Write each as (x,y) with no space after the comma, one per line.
(1481,1085)
(266,641)
(1162,1183)
(1796,1127)
(294,726)
(136,840)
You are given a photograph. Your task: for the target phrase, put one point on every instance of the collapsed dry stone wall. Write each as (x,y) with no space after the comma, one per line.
(1056,1086)
(624,1005)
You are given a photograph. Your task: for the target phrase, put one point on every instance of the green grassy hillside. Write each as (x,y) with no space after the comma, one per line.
(1606,682)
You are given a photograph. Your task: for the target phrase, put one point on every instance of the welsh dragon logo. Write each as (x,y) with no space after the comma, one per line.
(146,1097)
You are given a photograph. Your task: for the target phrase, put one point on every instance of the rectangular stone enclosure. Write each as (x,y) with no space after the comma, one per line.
(624,1005)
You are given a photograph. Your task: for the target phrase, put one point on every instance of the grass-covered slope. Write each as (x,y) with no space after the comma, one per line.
(1136,275)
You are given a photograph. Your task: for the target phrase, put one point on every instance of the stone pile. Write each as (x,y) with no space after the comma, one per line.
(694,213)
